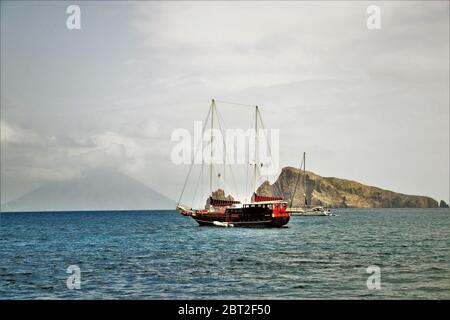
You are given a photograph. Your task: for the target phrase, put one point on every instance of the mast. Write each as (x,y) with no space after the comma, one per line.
(297,181)
(256,148)
(304,175)
(211,148)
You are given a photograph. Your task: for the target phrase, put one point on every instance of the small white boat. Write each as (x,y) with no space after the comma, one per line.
(316,212)
(307,210)
(295,211)
(310,211)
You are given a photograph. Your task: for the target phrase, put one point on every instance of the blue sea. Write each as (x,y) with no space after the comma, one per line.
(163,255)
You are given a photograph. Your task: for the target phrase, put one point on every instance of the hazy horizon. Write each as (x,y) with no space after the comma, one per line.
(366,105)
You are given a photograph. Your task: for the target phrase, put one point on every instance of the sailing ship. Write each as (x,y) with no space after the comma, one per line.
(306,209)
(260,211)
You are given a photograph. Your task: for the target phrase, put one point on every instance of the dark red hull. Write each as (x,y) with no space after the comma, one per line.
(257,216)
(273,223)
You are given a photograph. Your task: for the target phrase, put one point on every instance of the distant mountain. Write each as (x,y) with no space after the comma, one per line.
(339,193)
(98,189)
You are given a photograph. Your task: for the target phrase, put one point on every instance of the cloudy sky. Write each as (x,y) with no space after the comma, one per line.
(367,105)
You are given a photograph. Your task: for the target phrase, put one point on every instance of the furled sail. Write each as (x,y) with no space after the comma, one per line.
(257,198)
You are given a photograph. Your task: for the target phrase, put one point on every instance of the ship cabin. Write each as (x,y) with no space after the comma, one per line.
(275,208)
(277,205)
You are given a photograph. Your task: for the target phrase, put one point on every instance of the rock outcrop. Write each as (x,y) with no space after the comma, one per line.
(219,194)
(339,193)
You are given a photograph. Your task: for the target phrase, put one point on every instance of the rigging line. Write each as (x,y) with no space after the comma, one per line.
(248,183)
(268,142)
(202,189)
(234,181)
(256,150)
(222,124)
(248,162)
(219,121)
(193,158)
(211,167)
(259,175)
(246,180)
(198,183)
(235,103)
(296,183)
(246,174)
(278,187)
(258,161)
(222,132)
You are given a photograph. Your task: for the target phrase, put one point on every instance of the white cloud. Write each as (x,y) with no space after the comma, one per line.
(17,135)
(48,158)
(241,45)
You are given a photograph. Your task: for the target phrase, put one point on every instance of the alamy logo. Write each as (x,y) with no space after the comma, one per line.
(234,146)
(374,281)
(74,280)
(374,19)
(73,21)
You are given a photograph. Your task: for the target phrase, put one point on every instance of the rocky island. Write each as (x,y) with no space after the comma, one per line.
(339,193)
